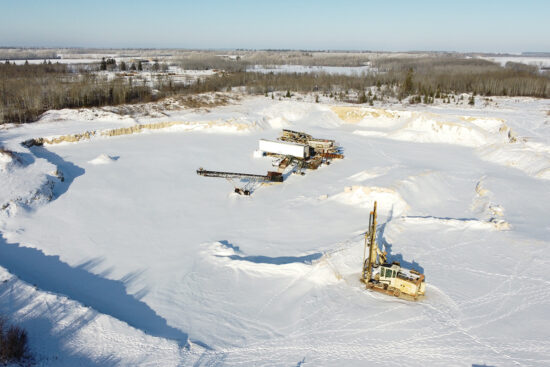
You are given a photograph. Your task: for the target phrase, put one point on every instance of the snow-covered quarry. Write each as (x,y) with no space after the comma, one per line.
(113,251)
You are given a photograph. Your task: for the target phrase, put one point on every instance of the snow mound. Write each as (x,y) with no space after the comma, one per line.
(33,193)
(354,115)
(456,223)
(426,127)
(6,159)
(530,157)
(389,201)
(289,113)
(368,174)
(425,130)
(286,111)
(83,114)
(278,122)
(485,207)
(25,184)
(494,125)
(370,133)
(307,266)
(102,159)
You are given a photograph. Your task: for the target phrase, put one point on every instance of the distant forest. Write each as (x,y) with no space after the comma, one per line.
(26,91)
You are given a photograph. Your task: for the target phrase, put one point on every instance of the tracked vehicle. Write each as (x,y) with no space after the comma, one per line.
(381,276)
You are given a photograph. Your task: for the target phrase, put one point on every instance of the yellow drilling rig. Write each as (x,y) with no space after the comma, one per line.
(380,276)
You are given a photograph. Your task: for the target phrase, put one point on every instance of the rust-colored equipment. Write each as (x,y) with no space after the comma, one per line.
(250,179)
(270,177)
(380,276)
(293,152)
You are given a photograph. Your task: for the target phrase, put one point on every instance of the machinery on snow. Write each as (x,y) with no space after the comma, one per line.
(381,276)
(294,149)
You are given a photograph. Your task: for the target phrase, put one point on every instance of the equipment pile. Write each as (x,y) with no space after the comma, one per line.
(293,151)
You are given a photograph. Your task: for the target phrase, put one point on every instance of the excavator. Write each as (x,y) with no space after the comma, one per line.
(381,276)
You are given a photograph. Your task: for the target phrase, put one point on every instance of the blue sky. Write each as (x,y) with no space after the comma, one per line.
(458,25)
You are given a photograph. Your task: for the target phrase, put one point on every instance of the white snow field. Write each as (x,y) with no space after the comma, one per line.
(541,62)
(113,251)
(303,69)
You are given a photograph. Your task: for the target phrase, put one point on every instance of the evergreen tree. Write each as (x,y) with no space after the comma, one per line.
(362,97)
(408,86)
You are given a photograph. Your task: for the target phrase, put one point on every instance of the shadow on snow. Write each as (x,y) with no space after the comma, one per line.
(69,170)
(388,247)
(282,260)
(106,296)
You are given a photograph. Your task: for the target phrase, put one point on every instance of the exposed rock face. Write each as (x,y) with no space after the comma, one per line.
(73,138)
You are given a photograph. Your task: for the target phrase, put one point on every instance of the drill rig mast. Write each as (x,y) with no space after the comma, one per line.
(380,276)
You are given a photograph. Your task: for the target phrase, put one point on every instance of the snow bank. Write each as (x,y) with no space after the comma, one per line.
(368,116)
(293,267)
(219,126)
(368,174)
(457,224)
(484,206)
(83,114)
(102,159)
(6,159)
(494,139)
(287,114)
(389,201)
(24,184)
(81,336)
(530,157)
(426,130)
(424,127)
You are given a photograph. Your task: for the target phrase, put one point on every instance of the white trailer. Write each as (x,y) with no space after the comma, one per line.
(284,148)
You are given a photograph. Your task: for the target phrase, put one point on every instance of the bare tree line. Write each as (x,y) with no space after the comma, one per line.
(449,74)
(26,54)
(243,60)
(428,76)
(26,91)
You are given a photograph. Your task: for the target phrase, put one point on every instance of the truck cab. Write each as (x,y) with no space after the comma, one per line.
(388,273)
(398,280)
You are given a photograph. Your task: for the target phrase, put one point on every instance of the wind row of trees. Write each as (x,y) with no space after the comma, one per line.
(111,65)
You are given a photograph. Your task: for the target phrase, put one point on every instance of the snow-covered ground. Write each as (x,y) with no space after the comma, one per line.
(302,69)
(541,62)
(53,61)
(115,252)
